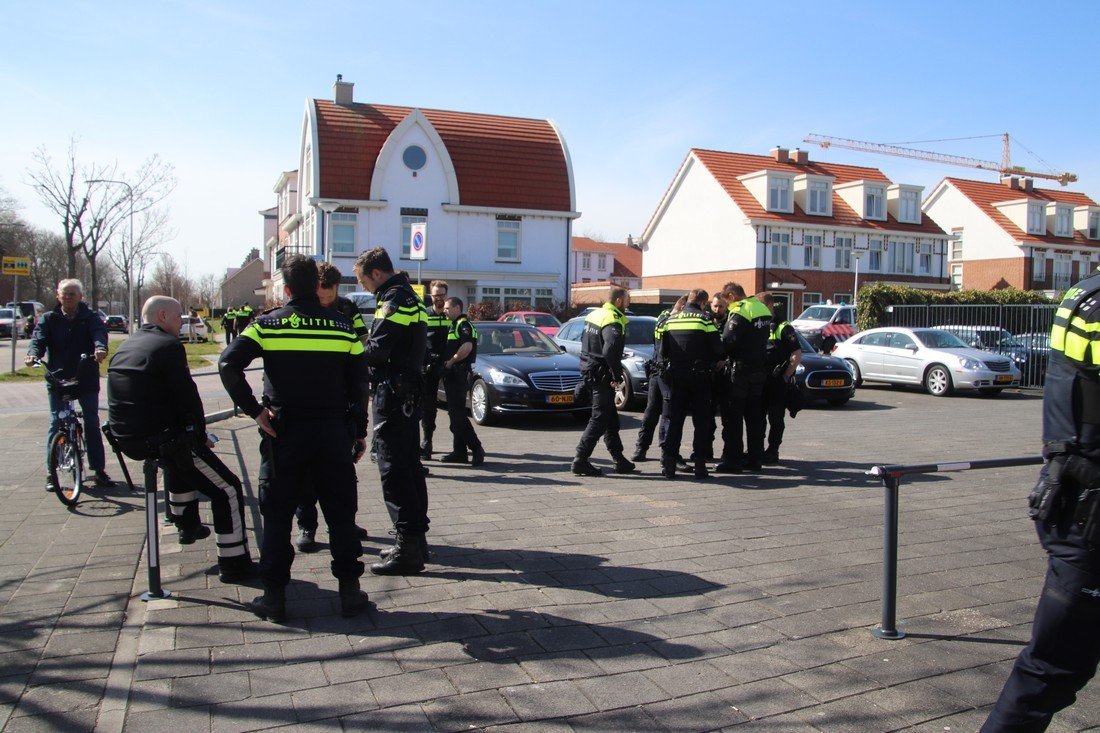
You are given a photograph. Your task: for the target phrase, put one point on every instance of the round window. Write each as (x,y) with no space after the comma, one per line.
(414,157)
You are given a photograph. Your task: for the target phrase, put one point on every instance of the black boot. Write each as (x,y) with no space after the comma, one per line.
(582,467)
(668,468)
(770,457)
(426,448)
(478,456)
(240,569)
(622,465)
(701,471)
(639,456)
(306,541)
(455,457)
(405,557)
(352,599)
(271,605)
(425,553)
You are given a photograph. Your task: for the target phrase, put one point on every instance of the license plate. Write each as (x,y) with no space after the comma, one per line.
(560,399)
(832,383)
(1003,378)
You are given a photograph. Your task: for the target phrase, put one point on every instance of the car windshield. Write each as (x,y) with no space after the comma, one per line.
(541,319)
(935,339)
(806,346)
(817,313)
(640,331)
(6,313)
(513,340)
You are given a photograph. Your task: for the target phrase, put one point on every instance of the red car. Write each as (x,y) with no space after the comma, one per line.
(542,321)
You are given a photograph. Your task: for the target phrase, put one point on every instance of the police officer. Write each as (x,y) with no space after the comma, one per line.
(460,353)
(154,411)
(244,317)
(691,344)
(1065,636)
(745,339)
(395,350)
(602,343)
(656,412)
(783,357)
(229,321)
(328,287)
(439,325)
(313,430)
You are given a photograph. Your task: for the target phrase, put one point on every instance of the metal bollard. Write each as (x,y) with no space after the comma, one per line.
(887,629)
(152,534)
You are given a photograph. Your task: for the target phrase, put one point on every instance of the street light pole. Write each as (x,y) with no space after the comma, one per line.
(130,259)
(858,255)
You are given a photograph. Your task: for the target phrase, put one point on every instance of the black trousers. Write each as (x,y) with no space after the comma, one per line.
(689,390)
(604,423)
(1065,636)
(775,407)
(455,383)
(308,454)
(428,403)
(656,414)
(742,410)
(397,441)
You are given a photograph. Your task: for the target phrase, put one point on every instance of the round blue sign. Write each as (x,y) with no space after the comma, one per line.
(418,241)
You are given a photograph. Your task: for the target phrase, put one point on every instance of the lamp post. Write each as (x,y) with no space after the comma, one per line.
(130,259)
(858,255)
(327,207)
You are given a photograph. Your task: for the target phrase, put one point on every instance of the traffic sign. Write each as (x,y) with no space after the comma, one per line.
(418,241)
(17,266)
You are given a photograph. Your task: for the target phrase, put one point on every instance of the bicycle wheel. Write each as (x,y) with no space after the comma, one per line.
(66,468)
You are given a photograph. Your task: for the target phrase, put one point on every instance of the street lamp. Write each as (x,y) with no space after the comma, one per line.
(327,207)
(130,259)
(858,255)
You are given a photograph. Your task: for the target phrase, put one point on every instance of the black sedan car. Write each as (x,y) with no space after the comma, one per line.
(520,370)
(823,377)
(116,323)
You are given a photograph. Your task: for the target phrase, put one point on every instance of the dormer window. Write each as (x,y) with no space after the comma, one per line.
(819,198)
(909,207)
(874,203)
(1094,225)
(779,194)
(1063,221)
(1036,219)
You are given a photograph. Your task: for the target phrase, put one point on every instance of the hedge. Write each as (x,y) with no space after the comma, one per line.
(874,298)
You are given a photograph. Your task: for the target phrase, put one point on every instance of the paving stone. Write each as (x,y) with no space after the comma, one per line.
(401,718)
(609,692)
(411,687)
(170,720)
(547,700)
(286,678)
(475,710)
(478,676)
(332,701)
(181,663)
(246,656)
(210,689)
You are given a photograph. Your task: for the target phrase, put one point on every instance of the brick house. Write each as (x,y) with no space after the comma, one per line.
(496,193)
(1011,234)
(789,225)
(596,266)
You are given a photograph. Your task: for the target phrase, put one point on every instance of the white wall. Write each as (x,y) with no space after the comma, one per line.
(983,239)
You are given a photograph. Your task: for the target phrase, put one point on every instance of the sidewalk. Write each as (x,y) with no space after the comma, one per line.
(560,603)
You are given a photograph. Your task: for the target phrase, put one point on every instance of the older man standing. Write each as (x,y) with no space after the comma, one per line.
(63,335)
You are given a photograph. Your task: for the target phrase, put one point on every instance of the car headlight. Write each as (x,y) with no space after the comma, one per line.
(800,369)
(971,364)
(501,377)
(635,365)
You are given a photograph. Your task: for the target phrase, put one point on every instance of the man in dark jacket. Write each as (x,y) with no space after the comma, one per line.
(155,410)
(63,335)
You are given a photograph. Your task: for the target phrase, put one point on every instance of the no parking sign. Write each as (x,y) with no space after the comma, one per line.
(418,241)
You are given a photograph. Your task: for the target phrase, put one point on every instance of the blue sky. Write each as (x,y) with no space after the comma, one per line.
(218,89)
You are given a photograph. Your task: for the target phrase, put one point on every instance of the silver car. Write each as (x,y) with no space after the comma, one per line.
(938,360)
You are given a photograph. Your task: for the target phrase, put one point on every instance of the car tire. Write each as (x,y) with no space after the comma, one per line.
(481,403)
(857,378)
(937,380)
(624,395)
(838,401)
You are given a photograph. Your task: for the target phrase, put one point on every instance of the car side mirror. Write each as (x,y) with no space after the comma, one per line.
(911,347)
(562,347)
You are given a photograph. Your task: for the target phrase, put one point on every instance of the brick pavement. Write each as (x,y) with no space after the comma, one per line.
(556,603)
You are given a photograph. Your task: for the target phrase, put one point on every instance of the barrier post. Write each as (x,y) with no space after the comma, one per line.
(152,534)
(887,629)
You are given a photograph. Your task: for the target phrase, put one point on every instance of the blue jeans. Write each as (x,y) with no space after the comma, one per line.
(89,405)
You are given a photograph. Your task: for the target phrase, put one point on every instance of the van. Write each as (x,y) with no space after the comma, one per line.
(824,326)
(32,310)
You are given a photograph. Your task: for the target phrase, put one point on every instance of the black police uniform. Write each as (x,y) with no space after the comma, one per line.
(691,344)
(313,382)
(456,382)
(229,322)
(306,513)
(602,343)
(152,405)
(395,351)
(656,412)
(1065,636)
(782,344)
(745,339)
(439,325)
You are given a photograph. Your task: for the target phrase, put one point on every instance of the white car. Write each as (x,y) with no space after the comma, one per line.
(937,360)
(197,324)
(10,318)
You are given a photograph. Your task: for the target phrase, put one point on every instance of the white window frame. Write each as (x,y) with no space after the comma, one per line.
(819,198)
(1063,221)
(601,262)
(779,194)
(957,245)
(902,255)
(843,246)
(343,220)
(874,256)
(874,202)
(1094,225)
(406,233)
(586,261)
(956,276)
(505,228)
(779,250)
(811,251)
(909,207)
(1038,266)
(845,298)
(810,299)
(1063,272)
(1036,219)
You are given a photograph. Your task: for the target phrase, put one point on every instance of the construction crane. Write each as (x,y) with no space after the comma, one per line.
(1005,167)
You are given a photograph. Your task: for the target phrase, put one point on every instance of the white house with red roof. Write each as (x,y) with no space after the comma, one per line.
(496,193)
(1013,234)
(795,227)
(596,266)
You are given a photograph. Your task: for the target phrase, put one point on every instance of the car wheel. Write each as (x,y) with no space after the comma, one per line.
(857,378)
(624,395)
(937,380)
(838,401)
(481,406)
(991,391)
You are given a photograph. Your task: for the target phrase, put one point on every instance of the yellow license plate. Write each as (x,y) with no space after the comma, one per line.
(1003,378)
(560,399)
(832,383)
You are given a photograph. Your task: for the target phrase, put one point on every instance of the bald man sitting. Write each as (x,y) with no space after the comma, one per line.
(154,411)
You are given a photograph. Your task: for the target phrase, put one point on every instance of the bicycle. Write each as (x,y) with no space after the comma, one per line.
(65,460)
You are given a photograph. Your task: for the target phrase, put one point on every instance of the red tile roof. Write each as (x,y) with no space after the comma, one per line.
(727,167)
(628,260)
(984,194)
(500,162)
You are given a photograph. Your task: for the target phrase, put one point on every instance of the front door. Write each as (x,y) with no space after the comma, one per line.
(781,308)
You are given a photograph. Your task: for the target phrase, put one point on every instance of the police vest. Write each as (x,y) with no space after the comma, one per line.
(689,336)
(592,336)
(455,340)
(1071,393)
(658,331)
(439,326)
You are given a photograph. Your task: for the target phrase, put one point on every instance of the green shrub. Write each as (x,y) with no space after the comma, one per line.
(875,298)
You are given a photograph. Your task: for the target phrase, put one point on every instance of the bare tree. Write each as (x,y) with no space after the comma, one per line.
(132,258)
(206,289)
(168,279)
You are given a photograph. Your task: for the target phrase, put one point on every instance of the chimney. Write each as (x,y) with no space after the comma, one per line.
(800,157)
(780,154)
(1012,182)
(1028,184)
(343,91)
